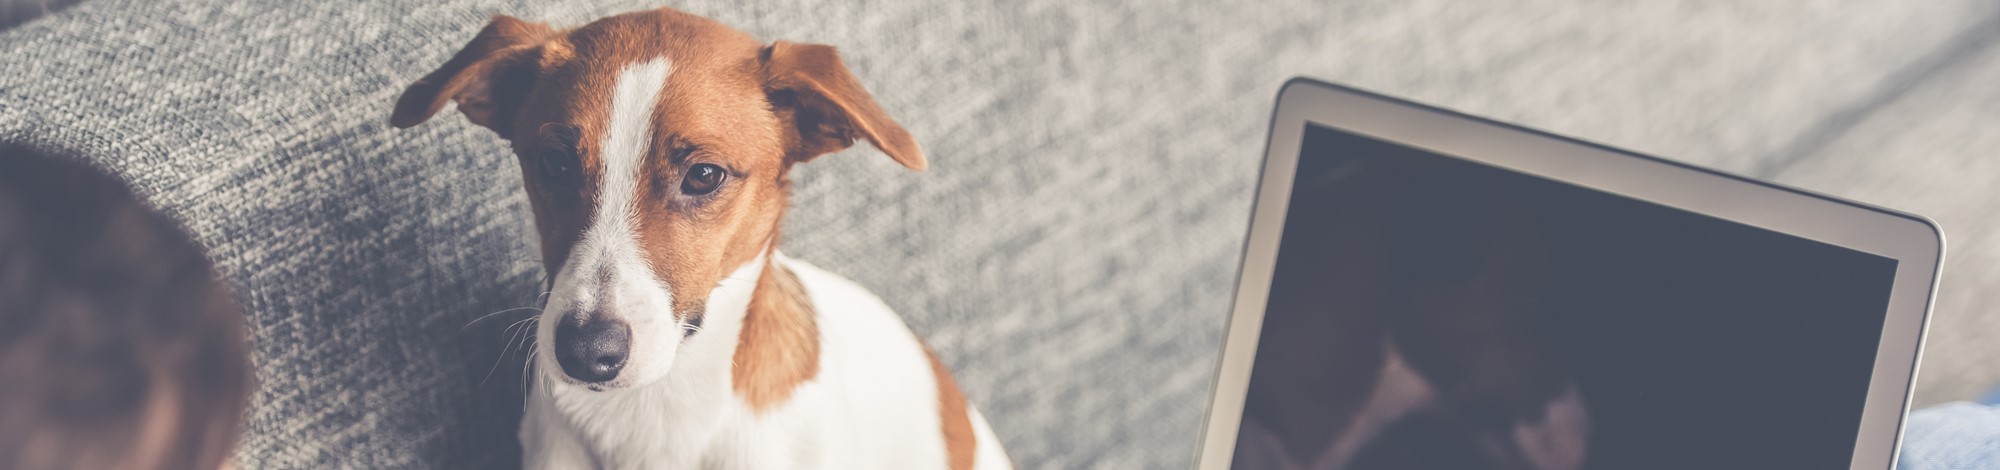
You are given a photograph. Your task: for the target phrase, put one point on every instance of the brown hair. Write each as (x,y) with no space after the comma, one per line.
(119,349)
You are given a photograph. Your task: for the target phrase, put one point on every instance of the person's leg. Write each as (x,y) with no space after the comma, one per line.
(1952,436)
(1991,398)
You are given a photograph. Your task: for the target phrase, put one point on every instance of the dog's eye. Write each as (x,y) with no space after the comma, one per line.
(702,179)
(558,164)
(558,157)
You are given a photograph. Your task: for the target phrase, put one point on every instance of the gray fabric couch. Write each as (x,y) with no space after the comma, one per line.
(1072,250)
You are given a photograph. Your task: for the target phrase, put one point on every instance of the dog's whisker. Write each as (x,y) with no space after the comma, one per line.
(528,376)
(528,328)
(498,358)
(527,371)
(510,326)
(527,334)
(504,348)
(491,315)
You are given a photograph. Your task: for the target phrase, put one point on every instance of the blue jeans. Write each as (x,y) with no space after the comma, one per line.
(1952,436)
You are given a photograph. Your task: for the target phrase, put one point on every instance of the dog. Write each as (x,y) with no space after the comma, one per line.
(1408,329)
(655,148)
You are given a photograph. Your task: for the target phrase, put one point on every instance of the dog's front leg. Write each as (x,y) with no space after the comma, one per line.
(763,448)
(548,442)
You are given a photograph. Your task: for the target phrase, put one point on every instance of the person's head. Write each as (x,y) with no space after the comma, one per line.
(119,349)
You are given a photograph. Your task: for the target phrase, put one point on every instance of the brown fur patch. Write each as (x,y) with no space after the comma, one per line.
(485,77)
(959,442)
(779,346)
(827,106)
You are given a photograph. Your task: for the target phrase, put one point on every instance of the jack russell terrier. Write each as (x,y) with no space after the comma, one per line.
(655,148)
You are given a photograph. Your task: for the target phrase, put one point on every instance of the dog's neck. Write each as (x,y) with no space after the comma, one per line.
(778,346)
(777,342)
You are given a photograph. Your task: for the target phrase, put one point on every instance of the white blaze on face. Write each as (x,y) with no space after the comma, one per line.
(607,274)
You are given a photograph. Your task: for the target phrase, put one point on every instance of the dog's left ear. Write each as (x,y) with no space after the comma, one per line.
(825,107)
(488,78)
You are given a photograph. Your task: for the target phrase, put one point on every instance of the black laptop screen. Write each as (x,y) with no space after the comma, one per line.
(1428,312)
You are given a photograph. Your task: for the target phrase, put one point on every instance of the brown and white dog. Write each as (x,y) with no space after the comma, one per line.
(655,148)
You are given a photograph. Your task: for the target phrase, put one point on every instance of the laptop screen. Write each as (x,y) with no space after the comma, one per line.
(1428,312)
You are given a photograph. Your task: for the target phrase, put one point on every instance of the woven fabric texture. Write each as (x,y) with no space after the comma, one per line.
(1070,254)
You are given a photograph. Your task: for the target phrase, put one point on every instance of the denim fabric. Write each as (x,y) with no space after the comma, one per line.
(1954,436)
(1071,253)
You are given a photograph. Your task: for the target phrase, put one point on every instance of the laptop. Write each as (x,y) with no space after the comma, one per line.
(1425,289)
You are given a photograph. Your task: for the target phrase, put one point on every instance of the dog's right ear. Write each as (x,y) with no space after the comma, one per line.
(488,78)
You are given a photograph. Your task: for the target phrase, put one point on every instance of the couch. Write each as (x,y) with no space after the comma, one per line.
(1072,250)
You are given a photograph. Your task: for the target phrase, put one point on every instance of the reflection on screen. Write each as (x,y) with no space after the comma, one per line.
(1432,313)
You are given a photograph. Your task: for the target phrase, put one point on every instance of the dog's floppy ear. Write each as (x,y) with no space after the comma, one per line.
(488,78)
(826,108)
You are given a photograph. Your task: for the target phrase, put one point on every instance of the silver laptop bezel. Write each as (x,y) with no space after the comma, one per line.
(1916,243)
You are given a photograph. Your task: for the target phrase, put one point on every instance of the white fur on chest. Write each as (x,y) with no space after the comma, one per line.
(873,403)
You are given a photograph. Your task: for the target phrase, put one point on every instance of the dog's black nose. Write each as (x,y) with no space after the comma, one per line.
(594,350)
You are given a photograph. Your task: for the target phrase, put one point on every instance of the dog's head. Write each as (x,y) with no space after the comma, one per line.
(654,146)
